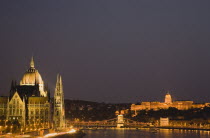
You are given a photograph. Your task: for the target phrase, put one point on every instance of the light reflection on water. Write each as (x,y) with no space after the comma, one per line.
(146,133)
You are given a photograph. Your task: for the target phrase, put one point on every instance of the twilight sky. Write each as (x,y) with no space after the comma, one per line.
(110,51)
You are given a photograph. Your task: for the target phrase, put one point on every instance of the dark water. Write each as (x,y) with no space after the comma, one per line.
(146,133)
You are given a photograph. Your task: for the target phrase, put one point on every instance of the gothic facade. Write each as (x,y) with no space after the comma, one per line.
(29,103)
(59,109)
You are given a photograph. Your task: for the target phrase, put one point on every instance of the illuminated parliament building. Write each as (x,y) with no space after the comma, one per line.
(30,105)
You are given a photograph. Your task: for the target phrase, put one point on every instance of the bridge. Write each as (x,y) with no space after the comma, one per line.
(119,121)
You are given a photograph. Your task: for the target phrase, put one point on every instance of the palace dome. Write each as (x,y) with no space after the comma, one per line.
(31,76)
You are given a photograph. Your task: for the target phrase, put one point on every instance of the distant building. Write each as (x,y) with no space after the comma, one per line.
(122,112)
(29,104)
(168,99)
(180,105)
(164,121)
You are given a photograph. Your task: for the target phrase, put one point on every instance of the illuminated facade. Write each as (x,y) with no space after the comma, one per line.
(180,105)
(29,103)
(59,109)
(168,99)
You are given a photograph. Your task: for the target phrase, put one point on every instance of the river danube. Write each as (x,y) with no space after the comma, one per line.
(147,133)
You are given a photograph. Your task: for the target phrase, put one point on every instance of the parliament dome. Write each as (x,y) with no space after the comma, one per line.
(31,76)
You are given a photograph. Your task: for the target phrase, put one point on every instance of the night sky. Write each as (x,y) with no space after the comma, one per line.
(110,50)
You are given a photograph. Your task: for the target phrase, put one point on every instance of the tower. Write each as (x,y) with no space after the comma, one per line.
(120,121)
(59,108)
(168,99)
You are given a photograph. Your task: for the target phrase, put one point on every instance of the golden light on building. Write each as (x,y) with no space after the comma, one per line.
(168,99)
(29,102)
(180,105)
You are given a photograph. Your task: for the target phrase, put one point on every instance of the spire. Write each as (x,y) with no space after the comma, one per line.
(59,85)
(32,62)
(60,80)
(57,78)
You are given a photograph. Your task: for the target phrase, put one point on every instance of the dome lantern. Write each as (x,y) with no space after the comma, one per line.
(32,62)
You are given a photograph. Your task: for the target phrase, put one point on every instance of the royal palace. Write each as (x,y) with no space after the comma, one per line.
(180,105)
